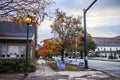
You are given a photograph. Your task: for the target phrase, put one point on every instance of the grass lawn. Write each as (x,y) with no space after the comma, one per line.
(68,67)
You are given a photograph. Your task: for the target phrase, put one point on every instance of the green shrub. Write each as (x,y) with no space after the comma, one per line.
(50,59)
(16,65)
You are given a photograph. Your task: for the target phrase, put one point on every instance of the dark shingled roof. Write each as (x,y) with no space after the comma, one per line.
(104,41)
(14,29)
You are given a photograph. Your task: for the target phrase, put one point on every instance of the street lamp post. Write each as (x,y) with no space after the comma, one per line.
(85,38)
(76,35)
(28,21)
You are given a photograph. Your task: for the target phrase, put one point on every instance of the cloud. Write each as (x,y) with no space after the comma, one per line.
(102,18)
(72,4)
(96,32)
(44,30)
(83,4)
(103,12)
(104,23)
(106,31)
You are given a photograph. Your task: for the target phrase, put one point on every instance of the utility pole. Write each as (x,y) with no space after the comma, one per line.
(85,37)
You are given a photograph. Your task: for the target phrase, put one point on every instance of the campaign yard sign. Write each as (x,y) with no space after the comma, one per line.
(60,64)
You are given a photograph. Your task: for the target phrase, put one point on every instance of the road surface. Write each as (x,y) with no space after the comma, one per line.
(110,67)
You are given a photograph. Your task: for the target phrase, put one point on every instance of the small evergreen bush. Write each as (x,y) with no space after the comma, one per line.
(16,65)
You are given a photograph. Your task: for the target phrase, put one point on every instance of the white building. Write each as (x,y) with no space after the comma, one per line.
(107,47)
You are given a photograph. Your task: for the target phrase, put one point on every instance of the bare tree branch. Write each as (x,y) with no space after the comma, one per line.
(4,3)
(21,8)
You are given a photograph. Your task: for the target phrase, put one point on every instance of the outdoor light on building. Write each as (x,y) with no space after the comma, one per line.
(28,20)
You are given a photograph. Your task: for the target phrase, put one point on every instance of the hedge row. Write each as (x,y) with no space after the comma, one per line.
(16,65)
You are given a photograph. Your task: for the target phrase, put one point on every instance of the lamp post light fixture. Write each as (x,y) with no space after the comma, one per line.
(76,36)
(85,38)
(28,20)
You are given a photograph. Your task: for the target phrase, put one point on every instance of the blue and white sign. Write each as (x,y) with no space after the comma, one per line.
(60,64)
(81,63)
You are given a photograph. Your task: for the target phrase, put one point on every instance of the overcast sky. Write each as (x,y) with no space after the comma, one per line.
(103,18)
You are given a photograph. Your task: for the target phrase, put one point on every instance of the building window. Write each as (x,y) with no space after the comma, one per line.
(110,49)
(104,49)
(3,50)
(22,50)
(116,49)
(13,51)
(98,49)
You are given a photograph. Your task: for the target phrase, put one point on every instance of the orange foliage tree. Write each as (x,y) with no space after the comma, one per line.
(50,47)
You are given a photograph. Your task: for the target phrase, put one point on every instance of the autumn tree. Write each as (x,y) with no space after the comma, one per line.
(91,45)
(64,28)
(42,51)
(50,47)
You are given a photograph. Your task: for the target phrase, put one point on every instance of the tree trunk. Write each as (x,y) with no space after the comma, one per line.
(81,55)
(62,54)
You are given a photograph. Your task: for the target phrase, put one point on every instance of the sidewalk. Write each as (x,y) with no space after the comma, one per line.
(44,72)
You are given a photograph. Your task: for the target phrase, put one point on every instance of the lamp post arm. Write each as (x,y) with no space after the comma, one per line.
(90,6)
